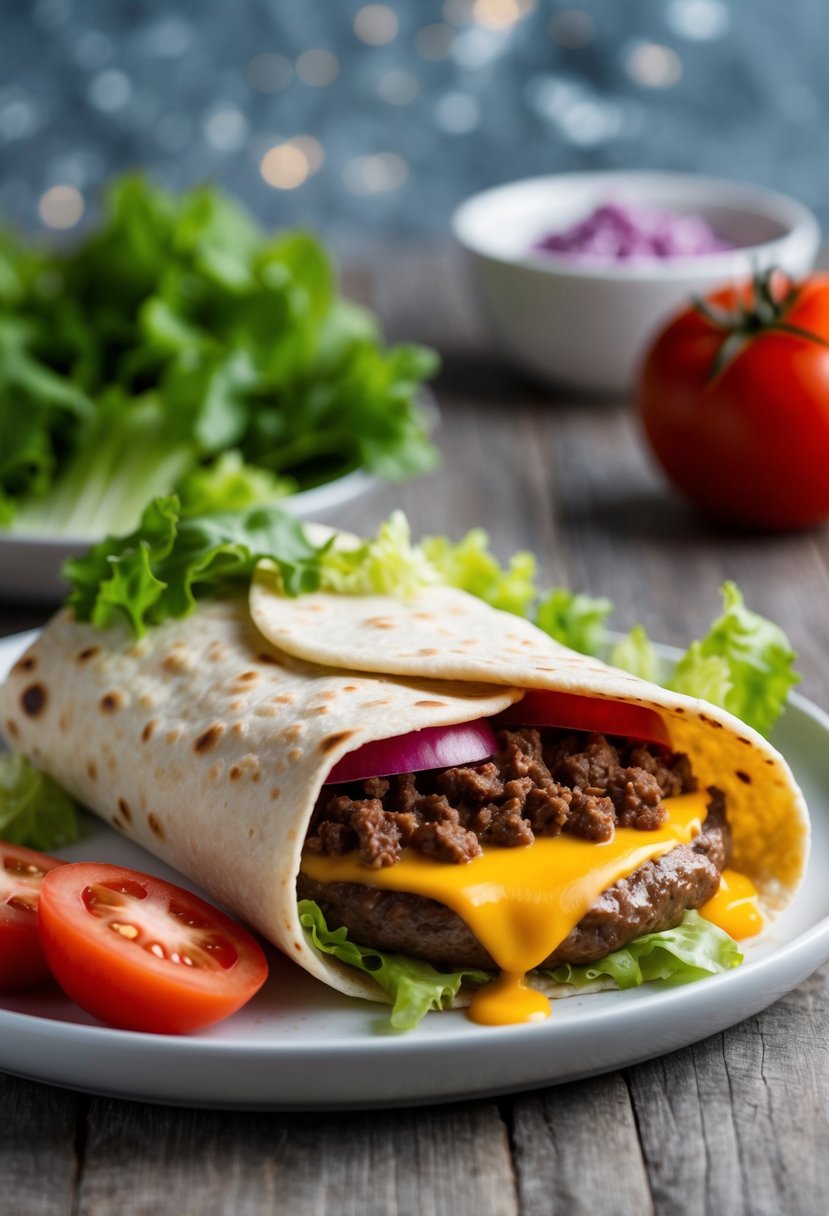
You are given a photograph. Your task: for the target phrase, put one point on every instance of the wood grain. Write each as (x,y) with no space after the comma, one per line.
(739,1123)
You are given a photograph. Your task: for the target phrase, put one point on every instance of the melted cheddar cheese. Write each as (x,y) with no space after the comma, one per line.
(521,903)
(736,906)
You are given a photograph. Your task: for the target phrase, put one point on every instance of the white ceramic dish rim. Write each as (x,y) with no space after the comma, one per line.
(698,1006)
(759,201)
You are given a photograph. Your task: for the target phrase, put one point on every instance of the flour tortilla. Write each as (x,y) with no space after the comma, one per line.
(207,741)
(446,634)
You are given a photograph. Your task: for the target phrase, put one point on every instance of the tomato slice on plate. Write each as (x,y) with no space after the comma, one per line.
(142,954)
(21,873)
(541,707)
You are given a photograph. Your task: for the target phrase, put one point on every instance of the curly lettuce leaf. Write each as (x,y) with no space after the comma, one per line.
(161,569)
(694,949)
(413,986)
(691,951)
(34,810)
(388,565)
(470,565)
(235,338)
(744,663)
(228,484)
(575,619)
(635,653)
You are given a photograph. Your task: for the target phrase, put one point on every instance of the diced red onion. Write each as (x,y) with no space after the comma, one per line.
(619,232)
(432,747)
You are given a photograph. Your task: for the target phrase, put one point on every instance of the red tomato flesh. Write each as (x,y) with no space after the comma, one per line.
(540,707)
(142,954)
(21,874)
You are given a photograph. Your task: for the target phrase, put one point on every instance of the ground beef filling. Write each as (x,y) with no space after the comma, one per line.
(651,899)
(540,783)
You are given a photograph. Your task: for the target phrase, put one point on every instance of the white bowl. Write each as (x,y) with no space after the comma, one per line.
(585,323)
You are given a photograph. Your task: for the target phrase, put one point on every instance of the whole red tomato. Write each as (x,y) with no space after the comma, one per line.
(734,396)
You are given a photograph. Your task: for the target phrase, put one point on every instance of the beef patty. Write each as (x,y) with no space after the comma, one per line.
(651,899)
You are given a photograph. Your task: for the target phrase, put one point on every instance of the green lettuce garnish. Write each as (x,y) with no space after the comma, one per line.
(694,949)
(34,810)
(176,331)
(744,663)
(413,986)
(635,653)
(161,569)
(388,565)
(574,619)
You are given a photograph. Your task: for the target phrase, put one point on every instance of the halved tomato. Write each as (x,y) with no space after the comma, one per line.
(541,707)
(21,873)
(142,954)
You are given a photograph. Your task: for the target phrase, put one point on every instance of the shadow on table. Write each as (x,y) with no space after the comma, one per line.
(492,380)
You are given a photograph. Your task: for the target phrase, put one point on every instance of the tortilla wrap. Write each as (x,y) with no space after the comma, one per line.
(208,741)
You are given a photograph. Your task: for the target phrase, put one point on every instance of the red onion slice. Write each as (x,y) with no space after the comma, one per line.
(541,707)
(432,747)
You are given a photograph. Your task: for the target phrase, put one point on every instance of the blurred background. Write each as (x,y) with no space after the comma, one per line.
(377,119)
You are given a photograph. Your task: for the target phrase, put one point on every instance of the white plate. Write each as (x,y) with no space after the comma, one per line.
(30,565)
(301,1045)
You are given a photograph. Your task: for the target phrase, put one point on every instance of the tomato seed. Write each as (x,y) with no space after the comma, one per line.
(22,869)
(128,931)
(21,904)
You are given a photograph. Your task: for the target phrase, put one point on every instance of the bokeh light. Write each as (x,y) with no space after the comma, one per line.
(376,24)
(379,173)
(61,207)
(398,87)
(501,14)
(653,66)
(318,67)
(285,166)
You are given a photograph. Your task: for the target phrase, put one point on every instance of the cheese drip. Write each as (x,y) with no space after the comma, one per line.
(521,903)
(735,907)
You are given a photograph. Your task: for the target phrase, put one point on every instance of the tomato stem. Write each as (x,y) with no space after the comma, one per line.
(762,312)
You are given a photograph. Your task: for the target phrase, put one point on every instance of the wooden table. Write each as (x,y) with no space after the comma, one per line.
(736,1124)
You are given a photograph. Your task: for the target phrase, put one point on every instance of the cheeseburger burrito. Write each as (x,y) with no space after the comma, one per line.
(417,796)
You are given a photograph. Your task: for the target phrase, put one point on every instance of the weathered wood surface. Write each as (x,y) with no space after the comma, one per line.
(738,1124)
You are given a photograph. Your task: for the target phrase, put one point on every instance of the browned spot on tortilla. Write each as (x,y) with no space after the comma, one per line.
(349,688)
(291,733)
(216,653)
(320,709)
(27,663)
(770,762)
(247,677)
(88,652)
(147,732)
(124,808)
(430,704)
(33,700)
(235,773)
(238,704)
(679,710)
(209,738)
(172,735)
(428,650)
(145,701)
(275,792)
(110,702)
(92,770)
(12,729)
(295,754)
(175,661)
(238,729)
(251,833)
(269,658)
(65,720)
(331,741)
(256,775)
(742,739)
(283,698)
(116,823)
(741,776)
(156,826)
(424,616)
(379,622)
(297,946)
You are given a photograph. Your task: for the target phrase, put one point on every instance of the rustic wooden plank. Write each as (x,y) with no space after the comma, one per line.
(740,1123)
(577,1152)
(39,1148)
(154,1161)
